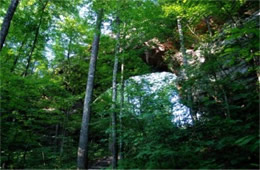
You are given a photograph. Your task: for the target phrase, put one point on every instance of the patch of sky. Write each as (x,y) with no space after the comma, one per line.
(85,13)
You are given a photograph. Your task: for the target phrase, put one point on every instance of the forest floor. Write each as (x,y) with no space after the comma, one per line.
(102,163)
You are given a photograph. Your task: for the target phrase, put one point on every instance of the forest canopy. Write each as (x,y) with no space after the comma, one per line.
(129,84)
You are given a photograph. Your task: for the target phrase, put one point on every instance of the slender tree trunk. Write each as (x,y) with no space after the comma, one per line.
(225,98)
(7,22)
(66,118)
(82,159)
(37,32)
(122,100)
(65,121)
(190,101)
(68,64)
(114,96)
(19,52)
(183,50)
(69,49)
(56,137)
(185,63)
(121,110)
(43,159)
(208,25)
(193,32)
(226,103)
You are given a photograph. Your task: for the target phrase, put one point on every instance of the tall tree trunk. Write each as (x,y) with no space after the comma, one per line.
(7,22)
(122,100)
(65,122)
(56,136)
(37,32)
(66,118)
(185,63)
(114,96)
(183,50)
(121,110)
(82,159)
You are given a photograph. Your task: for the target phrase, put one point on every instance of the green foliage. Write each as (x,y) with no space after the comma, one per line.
(41,112)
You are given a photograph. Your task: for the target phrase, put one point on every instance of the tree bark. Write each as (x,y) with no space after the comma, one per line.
(185,63)
(182,49)
(121,110)
(82,159)
(7,22)
(114,96)
(122,100)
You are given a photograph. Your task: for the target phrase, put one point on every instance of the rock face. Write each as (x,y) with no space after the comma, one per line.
(155,53)
(164,56)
